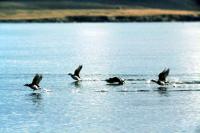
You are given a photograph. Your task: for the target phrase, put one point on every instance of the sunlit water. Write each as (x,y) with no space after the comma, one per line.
(136,52)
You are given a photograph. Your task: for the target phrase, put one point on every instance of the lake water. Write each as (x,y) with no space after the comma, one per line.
(136,52)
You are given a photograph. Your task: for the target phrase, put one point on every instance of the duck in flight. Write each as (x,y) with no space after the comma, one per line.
(76,75)
(162,77)
(115,80)
(35,83)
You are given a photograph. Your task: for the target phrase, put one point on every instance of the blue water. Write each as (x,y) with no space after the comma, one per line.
(136,52)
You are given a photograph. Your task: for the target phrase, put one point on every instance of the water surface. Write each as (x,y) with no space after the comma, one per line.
(136,52)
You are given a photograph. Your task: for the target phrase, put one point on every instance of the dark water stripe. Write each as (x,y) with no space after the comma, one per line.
(102,91)
(186,90)
(188,82)
(135,79)
(105,80)
(190,90)
(134,91)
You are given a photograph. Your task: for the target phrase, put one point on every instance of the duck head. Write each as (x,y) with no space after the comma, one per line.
(26,85)
(154,81)
(70,74)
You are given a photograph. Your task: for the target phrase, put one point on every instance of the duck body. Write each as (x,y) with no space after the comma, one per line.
(76,75)
(33,87)
(35,83)
(162,78)
(115,80)
(162,83)
(77,78)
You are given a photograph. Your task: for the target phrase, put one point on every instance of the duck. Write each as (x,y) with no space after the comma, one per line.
(115,80)
(76,75)
(162,77)
(35,83)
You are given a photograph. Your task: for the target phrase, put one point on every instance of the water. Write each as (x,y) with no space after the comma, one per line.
(136,52)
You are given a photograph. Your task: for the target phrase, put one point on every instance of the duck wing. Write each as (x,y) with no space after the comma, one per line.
(77,71)
(162,76)
(38,80)
(35,79)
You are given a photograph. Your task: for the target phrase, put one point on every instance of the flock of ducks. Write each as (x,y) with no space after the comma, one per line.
(114,80)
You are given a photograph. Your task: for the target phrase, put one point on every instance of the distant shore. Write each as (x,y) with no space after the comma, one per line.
(160,18)
(129,15)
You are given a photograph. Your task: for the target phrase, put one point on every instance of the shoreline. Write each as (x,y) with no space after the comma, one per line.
(93,19)
(107,15)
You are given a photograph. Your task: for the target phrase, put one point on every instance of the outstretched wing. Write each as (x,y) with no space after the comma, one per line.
(162,76)
(39,79)
(35,79)
(77,71)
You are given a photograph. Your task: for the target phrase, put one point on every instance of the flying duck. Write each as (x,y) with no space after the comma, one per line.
(35,83)
(115,80)
(162,77)
(76,75)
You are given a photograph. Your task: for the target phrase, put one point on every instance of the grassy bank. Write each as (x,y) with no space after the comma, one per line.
(111,14)
(98,10)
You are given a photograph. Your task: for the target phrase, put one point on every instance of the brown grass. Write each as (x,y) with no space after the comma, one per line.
(41,14)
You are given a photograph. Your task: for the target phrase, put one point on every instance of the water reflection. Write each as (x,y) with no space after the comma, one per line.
(76,84)
(35,98)
(163,91)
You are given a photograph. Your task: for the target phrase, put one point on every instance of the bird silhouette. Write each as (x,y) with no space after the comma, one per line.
(76,75)
(35,83)
(115,80)
(162,77)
